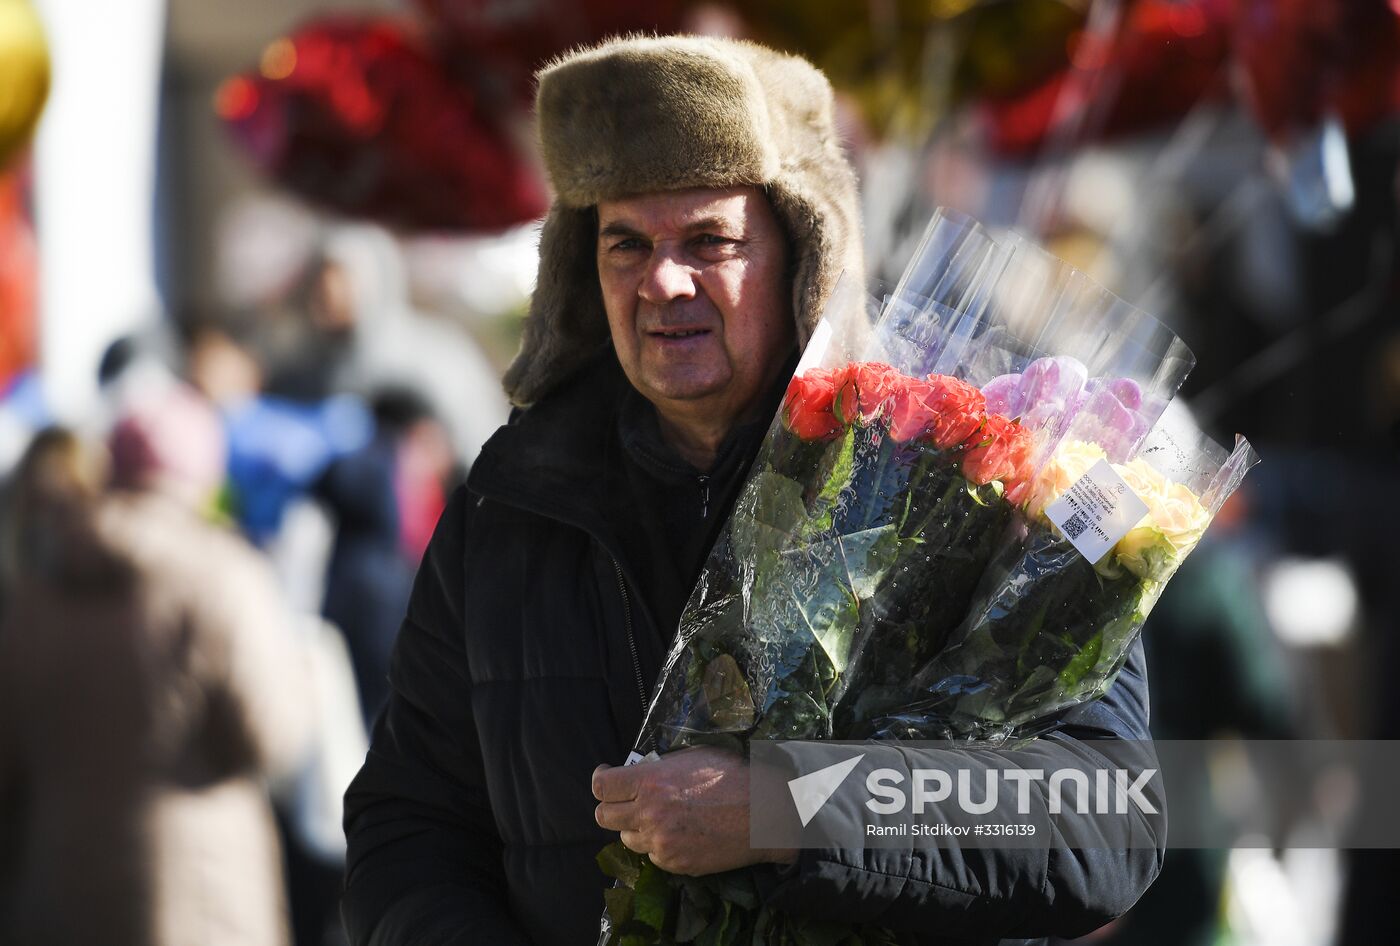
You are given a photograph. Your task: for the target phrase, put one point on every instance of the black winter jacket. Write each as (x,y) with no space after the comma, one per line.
(526,659)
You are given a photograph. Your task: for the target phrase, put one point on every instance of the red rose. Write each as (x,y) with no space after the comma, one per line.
(1017,491)
(871,391)
(913,411)
(942,410)
(960,411)
(807,406)
(1002,450)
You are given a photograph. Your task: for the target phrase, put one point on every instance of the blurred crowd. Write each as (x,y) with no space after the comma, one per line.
(201,586)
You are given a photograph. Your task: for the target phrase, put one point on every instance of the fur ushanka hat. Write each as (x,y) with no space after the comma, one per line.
(643,115)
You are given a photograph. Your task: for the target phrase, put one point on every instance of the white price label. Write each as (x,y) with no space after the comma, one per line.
(1098,510)
(634,757)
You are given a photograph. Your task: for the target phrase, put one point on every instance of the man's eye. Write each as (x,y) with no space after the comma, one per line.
(714,239)
(628,243)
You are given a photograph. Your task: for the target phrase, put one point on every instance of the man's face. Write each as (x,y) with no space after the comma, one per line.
(697,300)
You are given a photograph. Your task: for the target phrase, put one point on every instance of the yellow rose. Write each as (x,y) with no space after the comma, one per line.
(1142,478)
(1071,461)
(1173,525)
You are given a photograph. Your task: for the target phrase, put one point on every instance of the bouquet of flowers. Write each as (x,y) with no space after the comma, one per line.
(857,541)
(903,477)
(1051,626)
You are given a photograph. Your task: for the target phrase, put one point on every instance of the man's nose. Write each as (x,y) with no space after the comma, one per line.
(667,279)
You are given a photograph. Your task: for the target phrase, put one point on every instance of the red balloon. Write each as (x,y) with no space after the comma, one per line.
(19,277)
(500,43)
(1300,58)
(1166,56)
(355,114)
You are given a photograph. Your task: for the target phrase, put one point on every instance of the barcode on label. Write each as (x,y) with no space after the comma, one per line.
(1075,526)
(1096,511)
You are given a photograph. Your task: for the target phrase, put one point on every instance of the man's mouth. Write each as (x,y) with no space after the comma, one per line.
(679,332)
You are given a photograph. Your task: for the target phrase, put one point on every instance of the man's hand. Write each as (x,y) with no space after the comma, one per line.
(688,811)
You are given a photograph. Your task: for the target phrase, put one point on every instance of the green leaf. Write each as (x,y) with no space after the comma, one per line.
(636,933)
(733,928)
(757,544)
(794,716)
(618,902)
(770,500)
(812,932)
(621,863)
(727,694)
(715,932)
(702,892)
(1082,663)
(988,494)
(737,887)
(837,479)
(653,896)
(868,556)
(695,911)
(767,927)
(829,610)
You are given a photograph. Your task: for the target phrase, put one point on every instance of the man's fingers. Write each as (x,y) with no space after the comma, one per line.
(616,783)
(634,841)
(616,816)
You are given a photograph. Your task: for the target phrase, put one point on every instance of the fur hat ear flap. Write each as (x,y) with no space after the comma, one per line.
(566,323)
(824,236)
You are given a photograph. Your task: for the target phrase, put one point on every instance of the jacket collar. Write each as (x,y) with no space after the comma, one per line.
(558,457)
(639,432)
(561,457)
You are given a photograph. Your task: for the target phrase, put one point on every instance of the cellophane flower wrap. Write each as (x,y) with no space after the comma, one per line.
(1049,628)
(1114,371)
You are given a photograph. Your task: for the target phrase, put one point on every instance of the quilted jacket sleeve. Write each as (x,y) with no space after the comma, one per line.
(424,857)
(982,893)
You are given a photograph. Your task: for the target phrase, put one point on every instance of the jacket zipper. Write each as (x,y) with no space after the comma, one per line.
(631,641)
(704,496)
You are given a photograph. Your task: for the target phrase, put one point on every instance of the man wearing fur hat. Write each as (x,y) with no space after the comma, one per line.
(704,212)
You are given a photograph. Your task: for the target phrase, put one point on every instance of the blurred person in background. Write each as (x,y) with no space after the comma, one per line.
(384,499)
(349,326)
(309,345)
(277,447)
(148,685)
(278,450)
